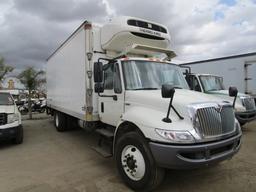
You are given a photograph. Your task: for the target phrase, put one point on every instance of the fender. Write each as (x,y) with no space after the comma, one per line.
(146,120)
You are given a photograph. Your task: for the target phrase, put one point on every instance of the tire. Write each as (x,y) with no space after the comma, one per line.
(242,124)
(132,154)
(60,121)
(19,136)
(42,110)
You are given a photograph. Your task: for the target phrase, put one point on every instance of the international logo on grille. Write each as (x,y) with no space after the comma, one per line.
(218,108)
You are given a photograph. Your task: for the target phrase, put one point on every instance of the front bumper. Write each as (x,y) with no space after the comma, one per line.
(9,133)
(245,117)
(194,156)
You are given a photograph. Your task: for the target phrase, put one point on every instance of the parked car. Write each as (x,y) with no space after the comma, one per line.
(10,119)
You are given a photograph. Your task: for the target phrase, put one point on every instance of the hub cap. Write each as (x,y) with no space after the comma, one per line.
(133,162)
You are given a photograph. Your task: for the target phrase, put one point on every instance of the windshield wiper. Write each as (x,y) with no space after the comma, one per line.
(146,88)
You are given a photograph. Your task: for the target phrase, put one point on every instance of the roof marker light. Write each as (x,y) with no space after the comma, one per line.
(87,26)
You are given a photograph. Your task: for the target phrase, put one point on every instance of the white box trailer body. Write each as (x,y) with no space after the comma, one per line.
(237,70)
(66,76)
(68,72)
(110,79)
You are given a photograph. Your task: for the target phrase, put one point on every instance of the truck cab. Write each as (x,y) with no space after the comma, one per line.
(245,109)
(10,119)
(181,131)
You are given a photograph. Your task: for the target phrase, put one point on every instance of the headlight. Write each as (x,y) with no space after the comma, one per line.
(176,136)
(12,117)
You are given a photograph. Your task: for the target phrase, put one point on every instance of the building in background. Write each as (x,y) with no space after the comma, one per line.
(14,86)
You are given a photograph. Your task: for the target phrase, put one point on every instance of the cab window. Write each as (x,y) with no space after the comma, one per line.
(112,79)
(109,76)
(196,85)
(117,79)
(193,83)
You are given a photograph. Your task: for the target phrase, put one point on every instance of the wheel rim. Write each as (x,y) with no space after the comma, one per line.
(57,120)
(133,162)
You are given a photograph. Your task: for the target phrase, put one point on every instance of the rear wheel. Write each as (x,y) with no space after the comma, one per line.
(60,121)
(135,162)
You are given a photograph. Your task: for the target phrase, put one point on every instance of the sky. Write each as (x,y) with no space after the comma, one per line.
(30,30)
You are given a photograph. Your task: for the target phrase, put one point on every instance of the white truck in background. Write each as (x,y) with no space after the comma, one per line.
(108,79)
(10,119)
(245,109)
(237,70)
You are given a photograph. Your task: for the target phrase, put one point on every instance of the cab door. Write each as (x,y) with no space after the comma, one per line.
(111,101)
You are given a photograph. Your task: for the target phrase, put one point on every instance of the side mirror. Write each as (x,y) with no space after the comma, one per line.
(232,91)
(98,87)
(167,91)
(98,72)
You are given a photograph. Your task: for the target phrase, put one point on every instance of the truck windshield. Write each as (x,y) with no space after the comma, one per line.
(6,99)
(212,83)
(149,75)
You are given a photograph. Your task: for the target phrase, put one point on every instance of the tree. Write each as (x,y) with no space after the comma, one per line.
(31,78)
(4,69)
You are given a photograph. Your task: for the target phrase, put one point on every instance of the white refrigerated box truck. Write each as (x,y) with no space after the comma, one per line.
(109,79)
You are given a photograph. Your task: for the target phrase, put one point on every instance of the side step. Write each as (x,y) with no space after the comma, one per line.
(105,142)
(105,133)
(103,152)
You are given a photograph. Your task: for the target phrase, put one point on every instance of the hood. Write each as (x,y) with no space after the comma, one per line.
(7,108)
(182,98)
(225,92)
(225,95)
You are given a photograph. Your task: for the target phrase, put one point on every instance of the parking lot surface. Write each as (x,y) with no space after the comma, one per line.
(49,161)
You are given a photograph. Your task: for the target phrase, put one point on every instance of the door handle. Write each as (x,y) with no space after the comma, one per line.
(113,96)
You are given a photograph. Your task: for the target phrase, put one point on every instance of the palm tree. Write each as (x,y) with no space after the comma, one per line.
(31,78)
(4,69)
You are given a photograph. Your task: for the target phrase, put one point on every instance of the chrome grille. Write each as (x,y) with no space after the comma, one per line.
(3,118)
(248,103)
(215,121)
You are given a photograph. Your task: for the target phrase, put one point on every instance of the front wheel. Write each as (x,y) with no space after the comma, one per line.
(19,136)
(135,162)
(242,124)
